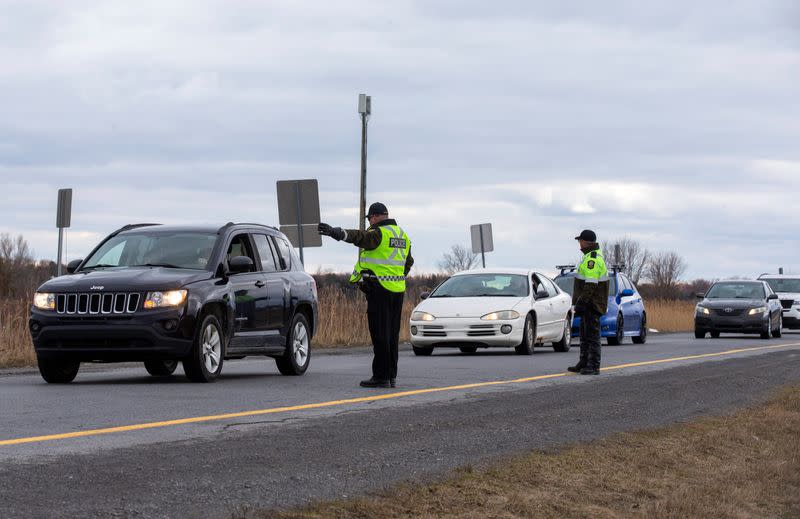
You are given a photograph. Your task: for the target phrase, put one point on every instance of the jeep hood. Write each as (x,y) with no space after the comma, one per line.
(125,279)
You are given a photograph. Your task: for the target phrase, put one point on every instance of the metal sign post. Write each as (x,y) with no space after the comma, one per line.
(63,220)
(298,212)
(482,241)
(364,109)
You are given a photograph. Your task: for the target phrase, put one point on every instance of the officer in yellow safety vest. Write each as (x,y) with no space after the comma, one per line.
(383,264)
(590,298)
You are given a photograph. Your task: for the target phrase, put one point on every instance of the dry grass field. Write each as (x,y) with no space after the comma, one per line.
(343,322)
(739,466)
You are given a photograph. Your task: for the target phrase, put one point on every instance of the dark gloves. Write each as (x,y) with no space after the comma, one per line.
(337,233)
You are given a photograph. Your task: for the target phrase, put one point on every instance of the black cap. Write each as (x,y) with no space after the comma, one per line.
(377,209)
(587,235)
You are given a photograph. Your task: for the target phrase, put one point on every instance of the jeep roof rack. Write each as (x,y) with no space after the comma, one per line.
(132,226)
(231,224)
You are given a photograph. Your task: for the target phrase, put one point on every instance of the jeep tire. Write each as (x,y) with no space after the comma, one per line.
(160,368)
(297,356)
(204,363)
(58,371)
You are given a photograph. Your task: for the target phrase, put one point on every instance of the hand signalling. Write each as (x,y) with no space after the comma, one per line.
(337,233)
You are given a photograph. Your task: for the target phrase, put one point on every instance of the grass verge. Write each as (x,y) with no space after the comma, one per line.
(738,466)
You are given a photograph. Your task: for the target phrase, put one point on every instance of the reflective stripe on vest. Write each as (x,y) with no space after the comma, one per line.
(388,261)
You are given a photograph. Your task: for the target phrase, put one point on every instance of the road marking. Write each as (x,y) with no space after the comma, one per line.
(359,400)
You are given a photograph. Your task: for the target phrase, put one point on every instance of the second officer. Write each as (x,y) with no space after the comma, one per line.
(383,264)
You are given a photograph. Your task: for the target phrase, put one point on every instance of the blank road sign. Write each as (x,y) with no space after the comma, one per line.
(288,202)
(488,243)
(311,237)
(64,211)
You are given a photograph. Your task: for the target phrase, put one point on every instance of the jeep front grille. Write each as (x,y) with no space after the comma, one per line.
(97,303)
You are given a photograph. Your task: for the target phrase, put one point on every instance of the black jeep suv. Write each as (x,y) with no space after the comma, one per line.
(163,294)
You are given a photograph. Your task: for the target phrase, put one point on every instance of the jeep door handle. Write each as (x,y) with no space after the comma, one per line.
(260,284)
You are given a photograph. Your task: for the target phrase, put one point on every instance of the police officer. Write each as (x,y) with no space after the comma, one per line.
(383,264)
(590,298)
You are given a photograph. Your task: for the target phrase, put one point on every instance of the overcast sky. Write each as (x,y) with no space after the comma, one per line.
(676,125)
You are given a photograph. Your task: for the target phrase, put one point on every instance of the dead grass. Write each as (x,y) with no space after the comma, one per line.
(740,466)
(16,348)
(670,315)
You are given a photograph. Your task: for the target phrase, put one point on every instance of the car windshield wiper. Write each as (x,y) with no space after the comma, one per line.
(442,295)
(165,265)
(100,266)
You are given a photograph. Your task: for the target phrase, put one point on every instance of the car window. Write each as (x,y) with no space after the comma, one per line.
(626,284)
(784,284)
(240,246)
(547,285)
(734,290)
(484,285)
(265,253)
(284,256)
(566,283)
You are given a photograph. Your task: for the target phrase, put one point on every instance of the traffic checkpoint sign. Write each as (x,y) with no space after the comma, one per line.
(482,241)
(298,212)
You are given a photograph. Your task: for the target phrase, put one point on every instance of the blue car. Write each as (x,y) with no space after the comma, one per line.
(626,315)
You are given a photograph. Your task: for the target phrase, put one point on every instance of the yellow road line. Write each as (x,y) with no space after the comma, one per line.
(359,400)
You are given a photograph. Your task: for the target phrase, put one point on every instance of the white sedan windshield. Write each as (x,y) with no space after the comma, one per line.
(484,285)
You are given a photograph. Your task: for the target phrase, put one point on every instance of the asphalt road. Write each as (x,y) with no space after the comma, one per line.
(294,439)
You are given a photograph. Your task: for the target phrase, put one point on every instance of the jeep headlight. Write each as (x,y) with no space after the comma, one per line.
(757,310)
(165,299)
(702,310)
(44,301)
(503,315)
(422,316)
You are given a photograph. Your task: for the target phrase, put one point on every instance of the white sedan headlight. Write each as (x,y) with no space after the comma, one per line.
(165,299)
(44,301)
(504,315)
(702,310)
(421,316)
(759,310)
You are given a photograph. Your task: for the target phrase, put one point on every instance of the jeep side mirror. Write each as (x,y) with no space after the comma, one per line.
(73,265)
(425,295)
(772,296)
(240,264)
(542,293)
(700,295)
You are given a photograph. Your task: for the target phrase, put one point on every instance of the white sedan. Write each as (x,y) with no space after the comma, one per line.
(488,308)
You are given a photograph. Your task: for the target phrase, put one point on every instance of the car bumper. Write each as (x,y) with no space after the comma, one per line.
(608,326)
(157,334)
(471,331)
(791,318)
(738,324)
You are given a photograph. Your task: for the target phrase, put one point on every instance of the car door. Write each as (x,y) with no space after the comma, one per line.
(250,297)
(562,304)
(547,320)
(283,258)
(627,305)
(276,296)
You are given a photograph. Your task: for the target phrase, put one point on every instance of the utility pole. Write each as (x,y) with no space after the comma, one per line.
(364,109)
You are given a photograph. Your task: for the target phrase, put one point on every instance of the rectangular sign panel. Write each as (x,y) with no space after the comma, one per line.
(311,238)
(488,243)
(64,211)
(298,194)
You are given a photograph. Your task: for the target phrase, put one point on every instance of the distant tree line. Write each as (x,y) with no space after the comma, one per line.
(20,274)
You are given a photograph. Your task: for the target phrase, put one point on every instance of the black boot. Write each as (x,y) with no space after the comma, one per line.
(376,382)
(581,361)
(590,370)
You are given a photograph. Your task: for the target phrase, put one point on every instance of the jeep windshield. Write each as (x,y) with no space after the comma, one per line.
(183,250)
(484,285)
(785,285)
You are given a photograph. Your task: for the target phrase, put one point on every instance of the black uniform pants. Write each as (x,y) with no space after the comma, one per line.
(384,311)
(590,339)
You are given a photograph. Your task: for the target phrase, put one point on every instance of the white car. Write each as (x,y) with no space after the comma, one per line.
(493,308)
(788,289)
